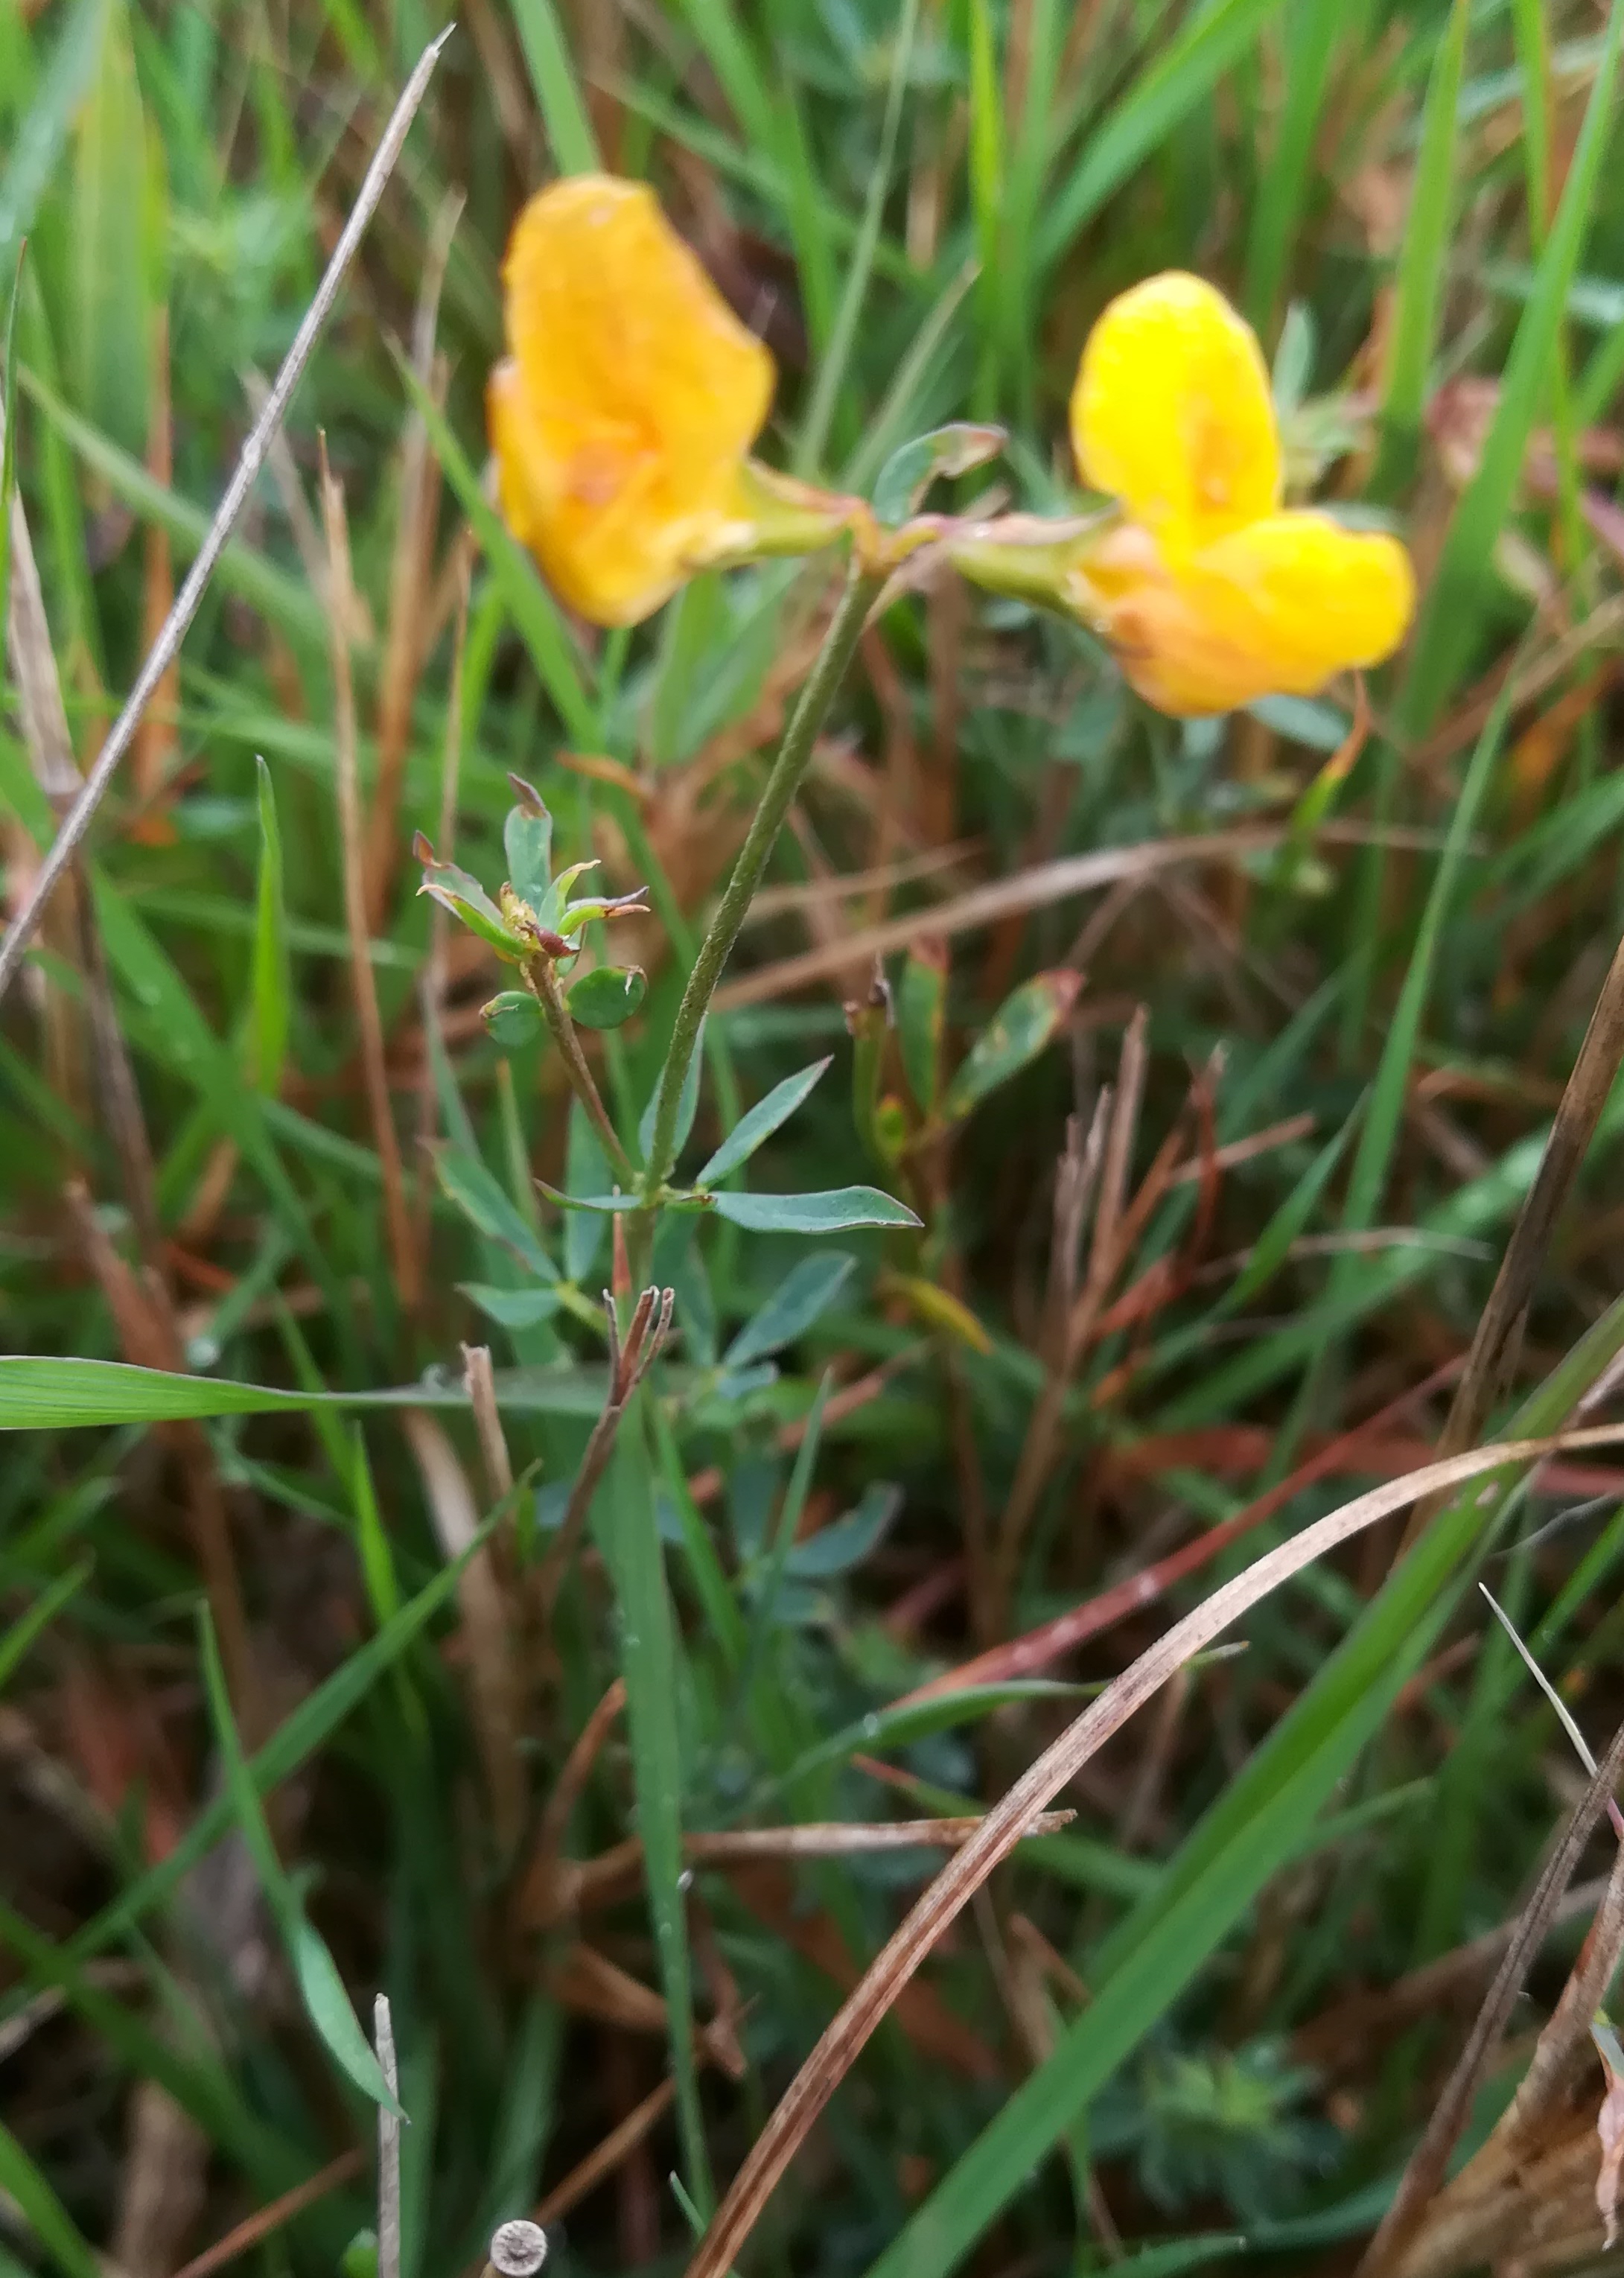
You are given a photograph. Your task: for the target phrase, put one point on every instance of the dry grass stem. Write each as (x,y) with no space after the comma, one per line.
(256,2227)
(630,1362)
(1011,1819)
(493,1675)
(167,646)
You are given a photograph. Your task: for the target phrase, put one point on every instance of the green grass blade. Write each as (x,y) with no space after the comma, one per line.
(630,1538)
(293,1742)
(43,138)
(326,2003)
(1312,31)
(1165,91)
(1421,264)
(15,1642)
(570,129)
(727,50)
(532,608)
(1451,610)
(271,1009)
(812,441)
(987,140)
(42,2212)
(285,600)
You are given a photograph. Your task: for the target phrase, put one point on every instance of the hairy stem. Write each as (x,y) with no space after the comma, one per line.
(800,734)
(542,981)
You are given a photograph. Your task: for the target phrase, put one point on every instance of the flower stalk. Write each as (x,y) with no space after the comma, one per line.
(541,979)
(811,708)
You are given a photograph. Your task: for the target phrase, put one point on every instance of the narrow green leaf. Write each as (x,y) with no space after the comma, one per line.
(1185,70)
(513,1308)
(15,1642)
(481,1198)
(43,2212)
(44,135)
(327,2004)
(529,605)
(1421,264)
(1312,32)
(837,1211)
(812,441)
(806,1291)
(527,841)
(272,1009)
(921,1021)
(1022,1026)
(759,1124)
(1453,606)
(631,1547)
(586,1172)
(286,601)
(546,52)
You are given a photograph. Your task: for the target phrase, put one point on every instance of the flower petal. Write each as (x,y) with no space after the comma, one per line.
(1171,413)
(1275,609)
(632,394)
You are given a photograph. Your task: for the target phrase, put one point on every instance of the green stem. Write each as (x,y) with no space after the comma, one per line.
(543,984)
(794,752)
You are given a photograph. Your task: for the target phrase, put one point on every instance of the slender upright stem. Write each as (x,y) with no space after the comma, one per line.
(794,752)
(543,982)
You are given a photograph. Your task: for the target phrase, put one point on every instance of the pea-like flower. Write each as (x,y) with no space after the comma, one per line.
(622,417)
(1210,592)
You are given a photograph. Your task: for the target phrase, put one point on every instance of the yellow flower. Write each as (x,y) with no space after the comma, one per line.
(621,418)
(1210,592)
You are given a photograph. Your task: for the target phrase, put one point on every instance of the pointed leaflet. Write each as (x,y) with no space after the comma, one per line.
(527,841)
(946,451)
(1018,1032)
(759,1124)
(478,1196)
(835,1212)
(799,1298)
(326,2003)
(606,996)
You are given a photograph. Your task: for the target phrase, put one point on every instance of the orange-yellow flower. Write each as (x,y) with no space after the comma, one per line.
(1210,592)
(632,394)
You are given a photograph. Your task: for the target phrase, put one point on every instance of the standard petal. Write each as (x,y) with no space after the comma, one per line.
(1275,609)
(620,421)
(1171,413)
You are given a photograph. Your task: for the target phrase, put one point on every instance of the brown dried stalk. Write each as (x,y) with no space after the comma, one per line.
(167,646)
(1428,2162)
(1004,1826)
(493,1682)
(629,1362)
(577,1886)
(267,2220)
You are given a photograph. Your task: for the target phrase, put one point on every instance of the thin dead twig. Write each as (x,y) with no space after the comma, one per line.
(167,646)
(1389,2250)
(248,2233)
(1497,1340)
(1005,1826)
(493,1681)
(388,2147)
(629,1362)
(578,1885)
